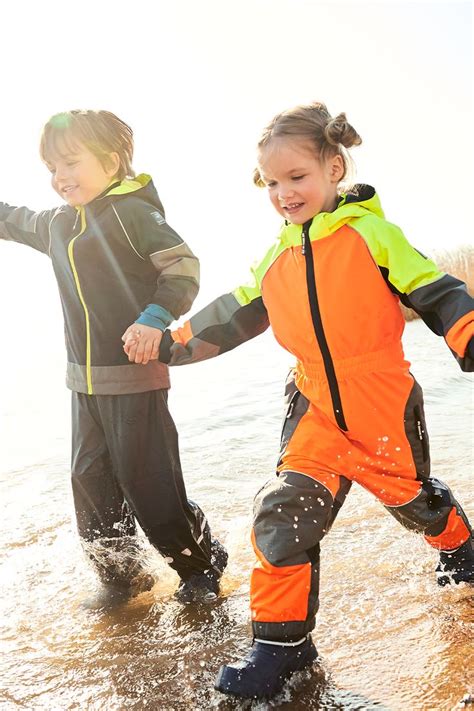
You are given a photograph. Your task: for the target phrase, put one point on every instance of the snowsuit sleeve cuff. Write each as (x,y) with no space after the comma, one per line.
(164,354)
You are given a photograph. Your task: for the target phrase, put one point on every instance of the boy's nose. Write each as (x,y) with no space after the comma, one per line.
(61,173)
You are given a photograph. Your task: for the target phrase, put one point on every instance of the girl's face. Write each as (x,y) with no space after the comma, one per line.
(299,184)
(78,176)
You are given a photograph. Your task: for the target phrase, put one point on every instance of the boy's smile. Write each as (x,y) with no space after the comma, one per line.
(299,184)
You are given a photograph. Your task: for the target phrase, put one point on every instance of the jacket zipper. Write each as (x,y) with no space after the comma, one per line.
(319,330)
(70,251)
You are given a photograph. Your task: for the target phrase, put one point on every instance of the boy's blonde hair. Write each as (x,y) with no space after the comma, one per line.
(102,132)
(313,123)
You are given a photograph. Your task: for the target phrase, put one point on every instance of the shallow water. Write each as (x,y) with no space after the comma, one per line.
(388,637)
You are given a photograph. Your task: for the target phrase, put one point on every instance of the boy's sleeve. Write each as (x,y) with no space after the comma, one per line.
(441,300)
(177,267)
(19,224)
(224,324)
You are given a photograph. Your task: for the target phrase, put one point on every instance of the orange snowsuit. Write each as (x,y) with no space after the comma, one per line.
(330,290)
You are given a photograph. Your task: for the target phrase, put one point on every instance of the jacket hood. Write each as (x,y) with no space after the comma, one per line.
(361,201)
(142,186)
(365,196)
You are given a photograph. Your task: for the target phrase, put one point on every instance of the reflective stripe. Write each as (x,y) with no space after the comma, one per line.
(126,234)
(282,644)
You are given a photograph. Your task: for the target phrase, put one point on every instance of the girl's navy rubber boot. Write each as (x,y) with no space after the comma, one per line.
(457,566)
(263,672)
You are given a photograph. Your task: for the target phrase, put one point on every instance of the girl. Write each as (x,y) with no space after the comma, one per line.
(330,288)
(119,267)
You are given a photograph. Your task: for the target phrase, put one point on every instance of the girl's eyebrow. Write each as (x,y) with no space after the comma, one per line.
(293,171)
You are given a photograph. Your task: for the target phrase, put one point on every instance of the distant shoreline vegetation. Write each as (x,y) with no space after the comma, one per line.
(459,263)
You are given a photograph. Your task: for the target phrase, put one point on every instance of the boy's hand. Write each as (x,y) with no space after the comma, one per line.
(141,343)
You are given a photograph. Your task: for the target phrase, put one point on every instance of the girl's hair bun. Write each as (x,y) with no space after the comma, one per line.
(339,131)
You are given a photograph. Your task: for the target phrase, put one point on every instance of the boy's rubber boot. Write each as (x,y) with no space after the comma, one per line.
(204,587)
(263,672)
(117,593)
(457,566)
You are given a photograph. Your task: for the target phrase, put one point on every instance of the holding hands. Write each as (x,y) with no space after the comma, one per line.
(141,343)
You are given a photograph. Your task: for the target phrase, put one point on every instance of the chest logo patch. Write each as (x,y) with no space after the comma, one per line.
(158,217)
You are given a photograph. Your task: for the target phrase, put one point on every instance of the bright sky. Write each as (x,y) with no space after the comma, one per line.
(197,81)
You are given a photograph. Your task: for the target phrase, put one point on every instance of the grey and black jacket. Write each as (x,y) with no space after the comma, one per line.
(116,262)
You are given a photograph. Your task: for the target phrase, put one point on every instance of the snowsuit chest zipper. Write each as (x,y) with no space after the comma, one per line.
(318,328)
(70,251)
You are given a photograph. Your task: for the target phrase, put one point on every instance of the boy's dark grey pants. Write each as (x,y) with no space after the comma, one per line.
(126,467)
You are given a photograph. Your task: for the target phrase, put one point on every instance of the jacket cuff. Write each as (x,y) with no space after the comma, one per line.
(164,353)
(156,317)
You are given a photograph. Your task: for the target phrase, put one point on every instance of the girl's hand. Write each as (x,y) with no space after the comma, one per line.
(141,343)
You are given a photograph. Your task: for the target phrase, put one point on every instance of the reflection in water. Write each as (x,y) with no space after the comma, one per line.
(388,637)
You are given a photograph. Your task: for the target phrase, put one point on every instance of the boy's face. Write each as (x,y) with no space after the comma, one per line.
(78,176)
(299,184)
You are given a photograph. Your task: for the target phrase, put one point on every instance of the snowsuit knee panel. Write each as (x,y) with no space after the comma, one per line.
(292,513)
(429,511)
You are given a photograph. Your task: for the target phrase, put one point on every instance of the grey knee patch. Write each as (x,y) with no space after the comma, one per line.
(429,511)
(291,515)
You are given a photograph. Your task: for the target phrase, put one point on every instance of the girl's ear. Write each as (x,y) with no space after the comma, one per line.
(336,168)
(112,164)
